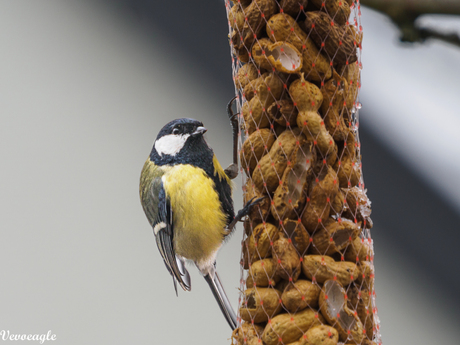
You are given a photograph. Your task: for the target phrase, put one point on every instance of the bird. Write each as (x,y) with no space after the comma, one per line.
(187,198)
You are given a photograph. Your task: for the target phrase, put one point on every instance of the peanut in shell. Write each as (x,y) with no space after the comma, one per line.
(260,304)
(293,7)
(289,198)
(287,259)
(254,86)
(283,112)
(236,17)
(245,75)
(318,205)
(359,250)
(320,268)
(287,328)
(283,28)
(261,241)
(347,167)
(337,204)
(248,334)
(296,232)
(262,273)
(300,295)
(335,237)
(338,10)
(260,212)
(332,107)
(268,173)
(308,99)
(353,76)
(254,148)
(256,15)
(338,44)
(319,335)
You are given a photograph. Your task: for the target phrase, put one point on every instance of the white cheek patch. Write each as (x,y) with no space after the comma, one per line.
(170,144)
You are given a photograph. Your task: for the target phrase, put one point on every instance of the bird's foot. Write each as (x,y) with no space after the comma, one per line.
(244,212)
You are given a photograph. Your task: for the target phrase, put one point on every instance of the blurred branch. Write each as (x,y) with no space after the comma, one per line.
(404,13)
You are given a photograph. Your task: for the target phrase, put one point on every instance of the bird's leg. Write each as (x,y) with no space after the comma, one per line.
(232,170)
(243,212)
(212,278)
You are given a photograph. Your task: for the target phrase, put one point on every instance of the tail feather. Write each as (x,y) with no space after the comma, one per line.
(222,299)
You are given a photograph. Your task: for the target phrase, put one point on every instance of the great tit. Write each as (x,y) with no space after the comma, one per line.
(187,198)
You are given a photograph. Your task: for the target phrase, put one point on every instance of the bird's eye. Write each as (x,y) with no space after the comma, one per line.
(175,131)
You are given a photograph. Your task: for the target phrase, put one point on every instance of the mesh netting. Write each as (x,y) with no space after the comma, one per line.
(307,272)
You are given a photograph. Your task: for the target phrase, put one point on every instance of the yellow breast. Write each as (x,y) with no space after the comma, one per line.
(199,222)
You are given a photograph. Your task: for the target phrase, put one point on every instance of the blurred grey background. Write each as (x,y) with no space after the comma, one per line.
(85,87)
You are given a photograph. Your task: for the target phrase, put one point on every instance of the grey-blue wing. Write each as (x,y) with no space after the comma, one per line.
(163,229)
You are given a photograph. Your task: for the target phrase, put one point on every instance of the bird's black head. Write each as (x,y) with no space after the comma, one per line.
(180,142)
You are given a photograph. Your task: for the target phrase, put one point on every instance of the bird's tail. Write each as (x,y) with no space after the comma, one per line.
(221,298)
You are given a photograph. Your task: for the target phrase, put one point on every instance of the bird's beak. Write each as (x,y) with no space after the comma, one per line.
(199,131)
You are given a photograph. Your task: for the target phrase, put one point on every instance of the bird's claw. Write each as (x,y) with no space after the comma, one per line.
(243,212)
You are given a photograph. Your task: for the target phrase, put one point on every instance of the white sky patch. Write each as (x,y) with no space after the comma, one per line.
(170,144)
(410,96)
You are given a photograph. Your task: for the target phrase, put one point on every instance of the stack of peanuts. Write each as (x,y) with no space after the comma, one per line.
(308,276)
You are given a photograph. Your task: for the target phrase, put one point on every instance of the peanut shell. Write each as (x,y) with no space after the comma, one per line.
(261,211)
(315,65)
(359,250)
(254,147)
(254,86)
(361,301)
(260,304)
(245,75)
(256,15)
(321,268)
(248,334)
(267,174)
(287,259)
(319,335)
(289,198)
(337,204)
(261,241)
(308,98)
(283,112)
(293,7)
(334,92)
(296,232)
(335,310)
(279,56)
(338,10)
(319,206)
(357,206)
(348,170)
(334,237)
(236,17)
(287,328)
(262,273)
(299,295)
(338,44)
